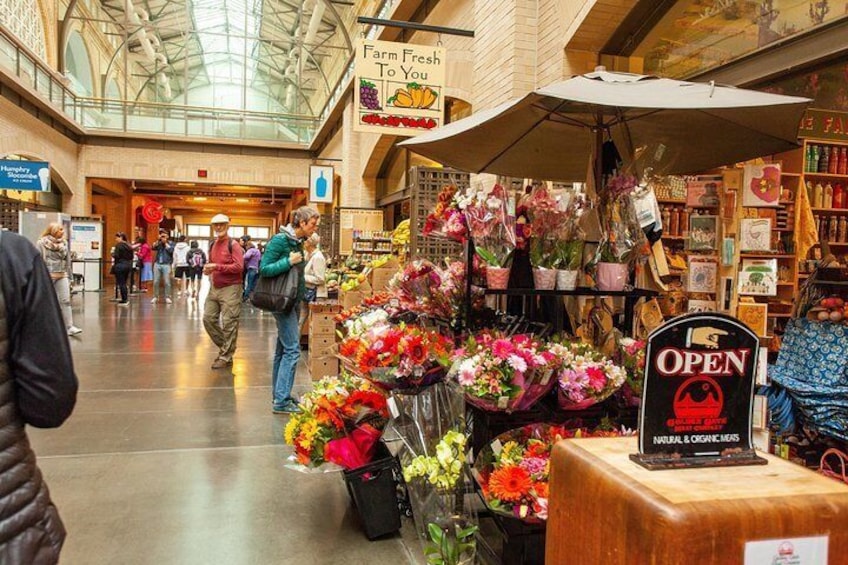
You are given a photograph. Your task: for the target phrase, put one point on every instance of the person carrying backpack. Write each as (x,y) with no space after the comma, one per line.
(196,259)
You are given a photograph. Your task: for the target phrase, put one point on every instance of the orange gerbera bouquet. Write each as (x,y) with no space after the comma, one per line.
(340,422)
(398,357)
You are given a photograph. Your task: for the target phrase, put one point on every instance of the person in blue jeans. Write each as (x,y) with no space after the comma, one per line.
(163,256)
(251,268)
(284,251)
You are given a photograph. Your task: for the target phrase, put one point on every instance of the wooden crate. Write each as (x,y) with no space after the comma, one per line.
(605,508)
(426,183)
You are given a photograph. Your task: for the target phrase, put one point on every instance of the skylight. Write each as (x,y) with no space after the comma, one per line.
(227,31)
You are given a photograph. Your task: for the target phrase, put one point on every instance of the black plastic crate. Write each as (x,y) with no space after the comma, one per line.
(373,489)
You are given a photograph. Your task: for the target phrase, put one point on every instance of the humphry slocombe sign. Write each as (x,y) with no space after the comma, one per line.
(398,87)
(698,394)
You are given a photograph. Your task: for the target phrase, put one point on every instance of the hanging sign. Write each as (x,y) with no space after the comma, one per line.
(320,184)
(698,395)
(399,87)
(824,125)
(152,212)
(24,175)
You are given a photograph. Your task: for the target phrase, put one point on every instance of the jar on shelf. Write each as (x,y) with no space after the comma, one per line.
(824,159)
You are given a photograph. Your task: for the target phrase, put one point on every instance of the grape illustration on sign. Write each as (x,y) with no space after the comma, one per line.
(400,87)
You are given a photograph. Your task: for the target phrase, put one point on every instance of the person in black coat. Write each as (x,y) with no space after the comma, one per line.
(123,256)
(37,387)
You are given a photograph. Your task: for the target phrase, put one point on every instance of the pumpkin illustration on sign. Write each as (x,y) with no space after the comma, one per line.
(767,186)
(415,96)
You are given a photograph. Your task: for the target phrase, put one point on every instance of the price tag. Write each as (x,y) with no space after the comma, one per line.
(497,447)
(503,402)
(547,377)
(393,408)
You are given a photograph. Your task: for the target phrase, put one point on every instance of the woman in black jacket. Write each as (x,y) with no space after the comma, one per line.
(37,387)
(123,255)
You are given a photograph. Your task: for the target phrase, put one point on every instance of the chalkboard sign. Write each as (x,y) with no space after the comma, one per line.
(698,395)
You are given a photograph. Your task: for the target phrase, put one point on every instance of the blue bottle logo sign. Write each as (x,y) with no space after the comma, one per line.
(321,186)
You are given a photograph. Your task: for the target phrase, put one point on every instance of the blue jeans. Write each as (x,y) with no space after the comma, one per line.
(286,356)
(161,270)
(250,282)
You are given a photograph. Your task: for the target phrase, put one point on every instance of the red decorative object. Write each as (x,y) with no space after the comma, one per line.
(152,212)
(202,173)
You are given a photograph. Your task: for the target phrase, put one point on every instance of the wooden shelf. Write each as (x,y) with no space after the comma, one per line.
(836,243)
(830,210)
(671,201)
(785,174)
(766,255)
(785,284)
(828,175)
(783,229)
(779,315)
(675,237)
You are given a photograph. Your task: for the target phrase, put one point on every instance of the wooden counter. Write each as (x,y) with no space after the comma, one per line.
(606,509)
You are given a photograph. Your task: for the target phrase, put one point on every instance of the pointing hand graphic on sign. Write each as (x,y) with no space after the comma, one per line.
(705,336)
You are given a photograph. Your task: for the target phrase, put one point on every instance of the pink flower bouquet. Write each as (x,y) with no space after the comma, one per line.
(499,373)
(631,356)
(446,220)
(491,224)
(585,377)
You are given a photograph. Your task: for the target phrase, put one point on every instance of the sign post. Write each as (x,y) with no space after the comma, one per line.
(698,395)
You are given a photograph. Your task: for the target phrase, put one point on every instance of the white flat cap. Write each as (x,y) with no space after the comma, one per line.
(220,219)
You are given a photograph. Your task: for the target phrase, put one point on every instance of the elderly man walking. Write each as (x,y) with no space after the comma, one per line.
(223,303)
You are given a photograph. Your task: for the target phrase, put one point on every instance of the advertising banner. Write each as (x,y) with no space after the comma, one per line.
(24,175)
(698,394)
(321,183)
(398,87)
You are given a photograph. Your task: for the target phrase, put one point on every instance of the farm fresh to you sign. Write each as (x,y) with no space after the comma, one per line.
(398,87)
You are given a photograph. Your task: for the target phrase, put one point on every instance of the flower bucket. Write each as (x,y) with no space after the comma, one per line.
(612,276)
(566,279)
(497,278)
(544,279)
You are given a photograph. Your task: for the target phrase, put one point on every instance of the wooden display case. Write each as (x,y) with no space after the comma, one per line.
(605,508)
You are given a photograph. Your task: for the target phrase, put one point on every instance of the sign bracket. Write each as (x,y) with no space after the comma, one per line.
(415,26)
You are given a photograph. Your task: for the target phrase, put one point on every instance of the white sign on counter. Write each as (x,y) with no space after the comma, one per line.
(790,551)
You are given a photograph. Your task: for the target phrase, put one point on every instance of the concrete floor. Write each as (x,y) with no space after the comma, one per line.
(167,461)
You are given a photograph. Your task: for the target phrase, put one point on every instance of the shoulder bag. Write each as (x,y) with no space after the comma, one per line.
(277,294)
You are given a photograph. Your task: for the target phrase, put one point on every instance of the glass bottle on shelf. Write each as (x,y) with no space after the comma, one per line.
(824,159)
(838,196)
(684,221)
(842,230)
(675,221)
(827,201)
(814,159)
(832,228)
(808,159)
(818,195)
(842,168)
(666,220)
(833,163)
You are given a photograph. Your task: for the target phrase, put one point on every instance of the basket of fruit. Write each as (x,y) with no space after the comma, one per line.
(831,309)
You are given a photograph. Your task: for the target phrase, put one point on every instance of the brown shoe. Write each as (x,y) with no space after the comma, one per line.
(221,364)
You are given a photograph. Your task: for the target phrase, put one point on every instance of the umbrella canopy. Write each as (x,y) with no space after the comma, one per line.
(673,126)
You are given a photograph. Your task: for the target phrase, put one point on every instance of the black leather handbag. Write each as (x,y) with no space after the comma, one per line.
(277,294)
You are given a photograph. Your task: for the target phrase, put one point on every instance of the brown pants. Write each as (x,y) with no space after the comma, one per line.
(221,318)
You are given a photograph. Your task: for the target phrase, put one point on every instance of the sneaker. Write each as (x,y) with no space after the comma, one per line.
(154,300)
(168,301)
(123,303)
(221,364)
(73,330)
(291,408)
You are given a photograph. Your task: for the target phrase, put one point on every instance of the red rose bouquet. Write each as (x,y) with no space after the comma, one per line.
(446,220)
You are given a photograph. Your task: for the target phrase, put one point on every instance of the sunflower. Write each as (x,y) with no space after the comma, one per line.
(510,483)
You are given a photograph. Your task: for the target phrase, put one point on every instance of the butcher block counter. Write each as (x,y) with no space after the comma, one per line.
(606,509)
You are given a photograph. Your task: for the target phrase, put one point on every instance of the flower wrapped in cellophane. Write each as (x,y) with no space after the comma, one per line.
(446,220)
(490,215)
(398,357)
(339,423)
(584,376)
(503,373)
(514,469)
(631,355)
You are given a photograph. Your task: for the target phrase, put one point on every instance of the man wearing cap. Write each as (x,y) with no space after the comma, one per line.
(163,251)
(223,303)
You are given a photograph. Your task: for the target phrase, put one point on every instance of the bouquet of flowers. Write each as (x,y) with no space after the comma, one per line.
(584,375)
(546,216)
(499,373)
(569,237)
(625,241)
(398,357)
(446,219)
(491,224)
(631,355)
(340,422)
(513,470)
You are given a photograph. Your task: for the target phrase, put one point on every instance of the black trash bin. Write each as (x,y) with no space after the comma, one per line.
(373,490)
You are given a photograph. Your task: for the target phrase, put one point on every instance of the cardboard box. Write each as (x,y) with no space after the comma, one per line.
(322,345)
(322,324)
(355,297)
(381,276)
(320,367)
(328,308)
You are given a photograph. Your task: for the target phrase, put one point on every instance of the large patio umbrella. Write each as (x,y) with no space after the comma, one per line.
(672,126)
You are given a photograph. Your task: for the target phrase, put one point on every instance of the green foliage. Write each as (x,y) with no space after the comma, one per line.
(446,549)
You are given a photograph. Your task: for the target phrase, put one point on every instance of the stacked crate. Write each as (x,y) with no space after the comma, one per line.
(426,184)
(322,340)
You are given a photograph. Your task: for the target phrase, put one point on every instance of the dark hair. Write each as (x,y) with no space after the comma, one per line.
(193,244)
(140,240)
(181,238)
(122,235)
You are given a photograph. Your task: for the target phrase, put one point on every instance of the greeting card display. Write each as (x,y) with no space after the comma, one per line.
(702,192)
(755,234)
(758,277)
(703,272)
(703,233)
(761,186)
(754,315)
(698,394)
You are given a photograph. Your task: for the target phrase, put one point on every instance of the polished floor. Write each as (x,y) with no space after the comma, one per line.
(168,461)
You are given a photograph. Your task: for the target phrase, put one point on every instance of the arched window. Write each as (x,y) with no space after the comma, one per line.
(78,65)
(23,19)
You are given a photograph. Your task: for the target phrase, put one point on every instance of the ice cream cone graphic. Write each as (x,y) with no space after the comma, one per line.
(44,178)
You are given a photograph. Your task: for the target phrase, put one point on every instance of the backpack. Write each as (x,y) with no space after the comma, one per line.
(197,259)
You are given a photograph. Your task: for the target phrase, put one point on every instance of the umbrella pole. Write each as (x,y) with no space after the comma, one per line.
(599,145)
